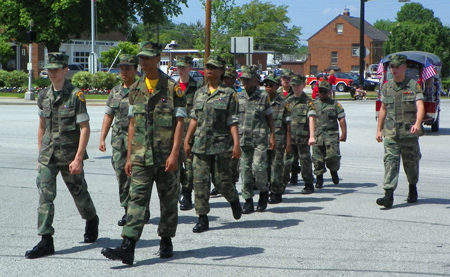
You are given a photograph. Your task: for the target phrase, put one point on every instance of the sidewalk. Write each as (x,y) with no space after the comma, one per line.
(21,101)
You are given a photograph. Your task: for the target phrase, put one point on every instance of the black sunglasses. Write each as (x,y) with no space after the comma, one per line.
(269,85)
(323,91)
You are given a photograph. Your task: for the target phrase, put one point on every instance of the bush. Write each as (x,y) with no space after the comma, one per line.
(16,79)
(41,83)
(3,76)
(104,80)
(446,83)
(82,79)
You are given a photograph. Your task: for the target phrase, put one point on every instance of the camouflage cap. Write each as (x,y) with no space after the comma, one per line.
(230,73)
(216,61)
(127,59)
(150,49)
(271,78)
(325,85)
(56,60)
(285,72)
(297,79)
(185,61)
(397,59)
(250,71)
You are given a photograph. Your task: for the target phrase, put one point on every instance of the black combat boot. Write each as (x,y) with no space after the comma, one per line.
(123,221)
(248,206)
(124,252)
(308,189)
(275,198)
(202,224)
(294,179)
(91,230)
(262,202)
(335,177)
(43,248)
(387,200)
(412,194)
(319,182)
(165,248)
(236,208)
(185,199)
(214,192)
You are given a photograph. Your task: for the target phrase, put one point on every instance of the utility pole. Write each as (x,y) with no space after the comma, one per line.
(362,48)
(31,37)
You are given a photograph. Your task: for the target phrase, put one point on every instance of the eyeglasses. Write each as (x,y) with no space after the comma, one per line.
(269,85)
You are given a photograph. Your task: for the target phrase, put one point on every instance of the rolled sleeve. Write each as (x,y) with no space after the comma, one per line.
(419,96)
(40,112)
(311,113)
(287,119)
(269,111)
(82,117)
(130,111)
(180,112)
(233,119)
(109,111)
(192,114)
(341,115)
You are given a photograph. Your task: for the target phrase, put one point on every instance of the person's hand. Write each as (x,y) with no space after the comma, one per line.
(187,150)
(379,137)
(128,167)
(415,129)
(343,137)
(75,167)
(171,163)
(288,148)
(102,146)
(312,141)
(272,143)
(236,152)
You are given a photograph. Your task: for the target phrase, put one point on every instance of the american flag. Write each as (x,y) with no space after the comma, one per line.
(380,69)
(428,71)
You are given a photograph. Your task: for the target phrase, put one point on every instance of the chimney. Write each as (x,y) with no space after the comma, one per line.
(346,12)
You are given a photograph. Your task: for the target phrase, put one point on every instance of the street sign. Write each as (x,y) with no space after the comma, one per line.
(357,52)
(242,45)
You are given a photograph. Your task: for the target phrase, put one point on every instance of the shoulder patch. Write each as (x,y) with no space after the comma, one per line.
(339,105)
(179,91)
(288,108)
(80,96)
(235,97)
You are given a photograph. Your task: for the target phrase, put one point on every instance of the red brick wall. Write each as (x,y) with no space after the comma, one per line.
(297,67)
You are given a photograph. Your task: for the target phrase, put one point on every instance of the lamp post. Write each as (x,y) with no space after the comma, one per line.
(31,37)
(172,45)
(362,48)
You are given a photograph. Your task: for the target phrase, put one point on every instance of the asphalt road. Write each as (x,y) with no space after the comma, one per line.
(337,231)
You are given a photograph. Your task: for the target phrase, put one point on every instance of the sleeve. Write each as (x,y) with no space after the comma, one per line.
(383,92)
(419,93)
(108,109)
(39,103)
(233,108)
(179,104)
(80,106)
(131,97)
(268,107)
(311,109)
(340,110)
(286,113)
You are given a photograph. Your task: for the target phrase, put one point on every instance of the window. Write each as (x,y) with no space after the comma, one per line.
(313,69)
(355,68)
(334,57)
(355,48)
(339,28)
(81,58)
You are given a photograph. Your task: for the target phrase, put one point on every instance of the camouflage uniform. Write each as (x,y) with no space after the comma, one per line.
(301,109)
(253,134)
(275,158)
(326,150)
(213,144)
(59,145)
(117,106)
(187,173)
(400,100)
(154,125)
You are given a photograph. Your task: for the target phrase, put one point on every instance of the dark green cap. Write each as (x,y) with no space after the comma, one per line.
(185,61)
(127,59)
(150,49)
(397,59)
(272,78)
(56,60)
(285,72)
(230,73)
(250,71)
(297,79)
(325,85)
(216,61)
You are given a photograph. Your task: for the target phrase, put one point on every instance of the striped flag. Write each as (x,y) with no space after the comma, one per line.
(428,71)
(380,69)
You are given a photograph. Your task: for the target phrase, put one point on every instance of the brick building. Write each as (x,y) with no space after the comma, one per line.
(336,45)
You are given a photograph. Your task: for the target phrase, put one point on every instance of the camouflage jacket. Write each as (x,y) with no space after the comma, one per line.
(401,108)
(190,90)
(280,92)
(327,125)
(117,106)
(62,118)
(214,114)
(155,119)
(281,117)
(253,129)
(301,109)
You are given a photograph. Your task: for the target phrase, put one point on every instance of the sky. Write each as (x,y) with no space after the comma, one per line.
(312,15)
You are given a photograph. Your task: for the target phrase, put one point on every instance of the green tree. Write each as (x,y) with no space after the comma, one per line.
(385,25)
(58,21)
(428,35)
(6,52)
(109,56)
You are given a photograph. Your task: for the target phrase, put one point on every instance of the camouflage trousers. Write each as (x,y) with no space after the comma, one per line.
(275,159)
(409,151)
(290,166)
(235,170)
(253,170)
(303,152)
(216,167)
(187,175)
(168,187)
(118,161)
(328,155)
(46,184)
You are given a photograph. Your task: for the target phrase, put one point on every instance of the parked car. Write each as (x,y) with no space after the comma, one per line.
(194,74)
(343,81)
(369,85)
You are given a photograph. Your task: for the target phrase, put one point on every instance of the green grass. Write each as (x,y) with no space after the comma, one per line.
(21,95)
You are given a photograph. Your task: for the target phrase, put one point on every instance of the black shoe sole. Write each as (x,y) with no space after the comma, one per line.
(203,229)
(186,208)
(380,202)
(39,255)
(110,255)
(165,255)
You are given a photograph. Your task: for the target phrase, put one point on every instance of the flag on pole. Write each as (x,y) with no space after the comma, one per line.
(380,69)
(428,71)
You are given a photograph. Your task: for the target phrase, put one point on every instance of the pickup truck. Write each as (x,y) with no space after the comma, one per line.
(343,81)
